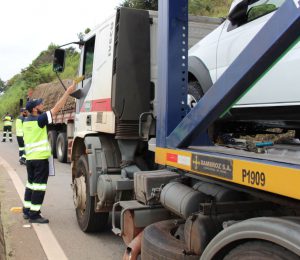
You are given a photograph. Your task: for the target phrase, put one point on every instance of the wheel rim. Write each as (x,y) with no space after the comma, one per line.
(59,148)
(79,193)
(191,101)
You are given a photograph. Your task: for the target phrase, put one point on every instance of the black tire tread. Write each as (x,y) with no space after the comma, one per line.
(158,243)
(194,89)
(260,250)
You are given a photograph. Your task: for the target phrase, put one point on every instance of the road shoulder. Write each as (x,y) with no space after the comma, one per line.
(20,242)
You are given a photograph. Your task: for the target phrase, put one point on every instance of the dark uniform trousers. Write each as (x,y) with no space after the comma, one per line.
(7,128)
(38,172)
(21,145)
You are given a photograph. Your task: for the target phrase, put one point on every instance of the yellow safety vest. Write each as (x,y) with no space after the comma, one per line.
(37,146)
(7,121)
(19,126)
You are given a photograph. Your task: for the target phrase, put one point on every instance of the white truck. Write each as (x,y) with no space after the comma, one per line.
(116,109)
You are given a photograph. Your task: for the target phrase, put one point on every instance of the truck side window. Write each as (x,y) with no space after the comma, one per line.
(260,8)
(89,48)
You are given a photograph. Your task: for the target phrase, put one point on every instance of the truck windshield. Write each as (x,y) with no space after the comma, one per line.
(89,57)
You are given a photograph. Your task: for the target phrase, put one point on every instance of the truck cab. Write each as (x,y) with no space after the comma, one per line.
(116,108)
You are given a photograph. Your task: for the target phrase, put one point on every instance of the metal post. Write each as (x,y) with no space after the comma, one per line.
(172,66)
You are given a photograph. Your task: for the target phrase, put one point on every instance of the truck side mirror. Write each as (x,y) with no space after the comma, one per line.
(59,60)
(238,15)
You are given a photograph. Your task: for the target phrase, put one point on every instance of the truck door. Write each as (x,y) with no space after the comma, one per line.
(84,105)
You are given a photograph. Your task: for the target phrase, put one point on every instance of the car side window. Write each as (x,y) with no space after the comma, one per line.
(260,8)
(248,10)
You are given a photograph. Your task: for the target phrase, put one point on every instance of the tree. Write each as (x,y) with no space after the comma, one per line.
(215,8)
(2,85)
(141,4)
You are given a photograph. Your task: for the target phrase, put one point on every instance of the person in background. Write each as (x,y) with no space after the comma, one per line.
(7,126)
(38,151)
(19,134)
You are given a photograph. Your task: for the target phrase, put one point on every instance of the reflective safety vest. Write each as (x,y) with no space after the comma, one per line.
(37,146)
(19,126)
(7,121)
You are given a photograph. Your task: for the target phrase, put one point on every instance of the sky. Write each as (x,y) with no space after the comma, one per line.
(28,27)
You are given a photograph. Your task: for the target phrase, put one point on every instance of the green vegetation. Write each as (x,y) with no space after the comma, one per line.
(215,8)
(38,72)
(2,85)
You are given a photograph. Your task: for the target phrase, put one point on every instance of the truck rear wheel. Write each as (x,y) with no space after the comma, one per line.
(62,147)
(88,219)
(52,137)
(159,243)
(260,250)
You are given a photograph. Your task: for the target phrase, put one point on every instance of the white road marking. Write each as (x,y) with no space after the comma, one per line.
(47,239)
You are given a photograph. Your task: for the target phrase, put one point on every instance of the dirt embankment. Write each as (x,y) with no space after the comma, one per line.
(51,93)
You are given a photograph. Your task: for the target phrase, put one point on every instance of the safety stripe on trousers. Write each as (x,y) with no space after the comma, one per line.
(35,207)
(36,186)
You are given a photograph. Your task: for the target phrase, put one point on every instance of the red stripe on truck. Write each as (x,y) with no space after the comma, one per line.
(172,157)
(98,105)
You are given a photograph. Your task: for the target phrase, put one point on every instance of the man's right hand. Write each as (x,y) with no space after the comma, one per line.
(71,88)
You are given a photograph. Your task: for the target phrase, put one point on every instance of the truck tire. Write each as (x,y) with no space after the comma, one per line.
(260,250)
(195,92)
(158,243)
(88,220)
(52,137)
(62,147)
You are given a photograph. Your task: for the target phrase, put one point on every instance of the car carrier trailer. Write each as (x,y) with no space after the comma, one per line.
(259,218)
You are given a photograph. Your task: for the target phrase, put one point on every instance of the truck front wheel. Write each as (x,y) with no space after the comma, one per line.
(87,218)
(52,137)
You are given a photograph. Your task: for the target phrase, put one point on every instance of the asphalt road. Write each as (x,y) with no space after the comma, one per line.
(58,207)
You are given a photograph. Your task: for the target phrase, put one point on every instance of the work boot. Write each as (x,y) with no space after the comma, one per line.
(22,161)
(39,220)
(25,216)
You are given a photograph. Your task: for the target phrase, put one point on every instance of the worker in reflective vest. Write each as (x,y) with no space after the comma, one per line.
(19,134)
(37,149)
(7,126)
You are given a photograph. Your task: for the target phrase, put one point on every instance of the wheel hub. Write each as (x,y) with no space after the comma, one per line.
(59,148)
(79,193)
(191,101)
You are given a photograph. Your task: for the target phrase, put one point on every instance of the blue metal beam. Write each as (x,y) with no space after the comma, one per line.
(279,34)
(172,66)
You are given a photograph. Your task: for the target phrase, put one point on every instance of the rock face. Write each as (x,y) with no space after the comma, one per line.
(51,93)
